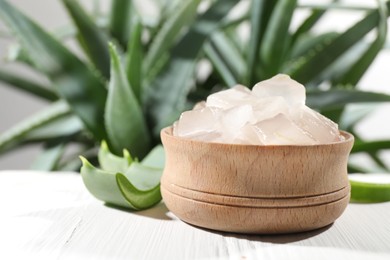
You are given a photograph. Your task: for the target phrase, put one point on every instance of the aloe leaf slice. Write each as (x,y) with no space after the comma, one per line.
(124,182)
(140,199)
(102,185)
(112,163)
(143,177)
(140,185)
(155,158)
(139,189)
(371,187)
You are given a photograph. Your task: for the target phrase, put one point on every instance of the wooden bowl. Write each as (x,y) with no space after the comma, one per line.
(253,188)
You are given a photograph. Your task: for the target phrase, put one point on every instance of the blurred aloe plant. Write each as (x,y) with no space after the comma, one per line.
(125,91)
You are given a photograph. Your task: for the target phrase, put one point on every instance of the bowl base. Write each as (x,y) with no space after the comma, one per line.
(254,220)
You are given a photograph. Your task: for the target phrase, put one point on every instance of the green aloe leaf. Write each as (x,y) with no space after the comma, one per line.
(75,82)
(134,60)
(353,168)
(120,21)
(49,158)
(308,68)
(72,165)
(337,6)
(357,70)
(372,153)
(166,97)
(308,23)
(169,32)
(58,128)
(16,134)
(352,115)
(229,53)
(370,146)
(258,28)
(369,188)
(28,85)
(339,67)
(72,162)
(124,120)
(310,43)
(112,163)
(338,98)
(17,53)
(277,37)
(233,22)
(65,32)
(219,64)
(256,13)
(91,37)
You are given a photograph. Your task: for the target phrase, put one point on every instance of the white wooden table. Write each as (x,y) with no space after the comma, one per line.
(52,216)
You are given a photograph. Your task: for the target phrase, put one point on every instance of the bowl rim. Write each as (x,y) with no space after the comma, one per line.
(168,131)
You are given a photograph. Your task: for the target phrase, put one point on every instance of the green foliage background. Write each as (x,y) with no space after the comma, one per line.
(136,76)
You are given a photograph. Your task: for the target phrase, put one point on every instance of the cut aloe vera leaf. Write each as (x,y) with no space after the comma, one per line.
(112,163)
(124,182)
(139,189)
(155,158)
(102,185)
(140,185)
(370,188)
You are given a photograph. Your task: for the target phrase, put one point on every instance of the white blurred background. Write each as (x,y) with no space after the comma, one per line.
(16,105)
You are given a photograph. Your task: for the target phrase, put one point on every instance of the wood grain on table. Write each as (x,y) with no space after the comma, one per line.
(52,216)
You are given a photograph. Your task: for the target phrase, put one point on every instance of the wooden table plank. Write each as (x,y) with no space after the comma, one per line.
(52,216)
